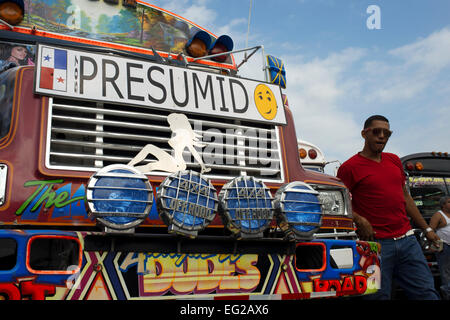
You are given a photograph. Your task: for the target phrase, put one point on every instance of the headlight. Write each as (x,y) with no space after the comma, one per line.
(332,202)
(335,201)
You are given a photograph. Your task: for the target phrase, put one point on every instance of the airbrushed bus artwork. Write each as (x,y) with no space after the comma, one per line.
(136,164)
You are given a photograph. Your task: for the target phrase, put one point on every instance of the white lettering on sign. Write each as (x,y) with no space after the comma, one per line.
(122,80)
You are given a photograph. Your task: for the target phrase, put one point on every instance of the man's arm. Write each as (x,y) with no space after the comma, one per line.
(364,228)
(436,221)
(414,213)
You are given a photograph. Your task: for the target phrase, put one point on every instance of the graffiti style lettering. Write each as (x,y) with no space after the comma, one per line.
(47,196)
(348,285)
(10,291)
(26,289)
(196,273)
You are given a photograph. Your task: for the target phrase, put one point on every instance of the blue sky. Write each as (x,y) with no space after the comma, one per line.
(339,72)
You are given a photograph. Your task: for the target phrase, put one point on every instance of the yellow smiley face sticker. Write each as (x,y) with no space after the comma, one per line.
(265,102)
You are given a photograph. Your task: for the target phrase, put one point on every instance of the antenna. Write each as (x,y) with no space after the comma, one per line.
(248,26)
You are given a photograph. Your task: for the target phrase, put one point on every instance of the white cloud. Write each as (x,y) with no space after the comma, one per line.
(430,54)
(412,71)
(315,89)
(196,11)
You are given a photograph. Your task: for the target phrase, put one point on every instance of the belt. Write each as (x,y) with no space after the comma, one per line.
(409,233)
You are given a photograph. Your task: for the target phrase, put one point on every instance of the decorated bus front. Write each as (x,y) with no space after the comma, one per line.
(135,164)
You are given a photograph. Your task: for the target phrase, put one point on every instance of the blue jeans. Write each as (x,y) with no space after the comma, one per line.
(443,259)
(404,261)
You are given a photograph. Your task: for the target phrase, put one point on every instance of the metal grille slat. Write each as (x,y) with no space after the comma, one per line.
(125,136)
(110,123)
(152,127)
(126,160)
(150,116)
(137,149)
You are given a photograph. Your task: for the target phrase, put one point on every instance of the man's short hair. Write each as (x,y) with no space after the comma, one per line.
(443,200)
(369,120)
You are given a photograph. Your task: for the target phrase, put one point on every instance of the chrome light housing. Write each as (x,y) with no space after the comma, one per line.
(246,207)
(335,200)
(332,202)
(299,212)
(187,203)
(119,197)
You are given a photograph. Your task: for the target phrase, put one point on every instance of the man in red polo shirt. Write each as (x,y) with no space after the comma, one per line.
(381,206)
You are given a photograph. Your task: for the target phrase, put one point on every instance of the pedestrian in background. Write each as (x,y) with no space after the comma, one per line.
(381,207)
(440,222)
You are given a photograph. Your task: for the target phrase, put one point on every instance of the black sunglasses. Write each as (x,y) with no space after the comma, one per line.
(377,131)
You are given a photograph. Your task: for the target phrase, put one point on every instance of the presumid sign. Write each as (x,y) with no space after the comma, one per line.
(100,77)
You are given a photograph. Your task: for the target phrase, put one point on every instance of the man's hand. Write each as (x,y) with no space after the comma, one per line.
(364,228)
(432,236)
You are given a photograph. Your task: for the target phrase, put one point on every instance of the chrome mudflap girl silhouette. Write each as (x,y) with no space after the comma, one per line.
(184,137)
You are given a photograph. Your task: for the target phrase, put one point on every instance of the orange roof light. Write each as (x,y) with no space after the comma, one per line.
(302,152)
(198,44)
(419,166)
(12,11)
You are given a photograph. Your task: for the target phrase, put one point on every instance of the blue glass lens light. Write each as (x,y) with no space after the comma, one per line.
(119,196)
(187,202)
(118,200)
(246,206)
(302,207)
(299,210)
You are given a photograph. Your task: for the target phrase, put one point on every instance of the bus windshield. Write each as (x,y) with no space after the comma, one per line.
(427,191)
(128,25)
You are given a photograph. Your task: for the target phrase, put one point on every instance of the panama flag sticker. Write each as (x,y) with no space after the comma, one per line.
(53,69)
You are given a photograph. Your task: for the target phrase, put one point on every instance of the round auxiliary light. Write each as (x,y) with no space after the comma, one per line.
(187,202)
(119,196)
(12,11)
(409,166)
(246,207)
(419,166)
(312,154)
(223,44)
(298,210)
(302,152)
(198,45)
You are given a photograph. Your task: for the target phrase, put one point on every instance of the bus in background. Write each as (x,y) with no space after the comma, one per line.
(428,179)
(311,157)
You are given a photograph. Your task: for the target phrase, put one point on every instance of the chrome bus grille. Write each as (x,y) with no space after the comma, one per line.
(86,136)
